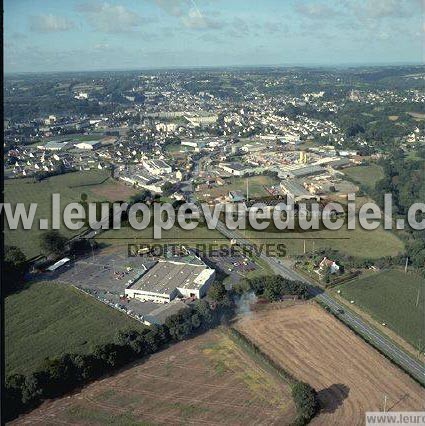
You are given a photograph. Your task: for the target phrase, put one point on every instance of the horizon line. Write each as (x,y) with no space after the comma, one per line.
(217,67)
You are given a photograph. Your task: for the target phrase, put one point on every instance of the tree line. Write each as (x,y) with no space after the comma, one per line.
(272,287)
(304,396)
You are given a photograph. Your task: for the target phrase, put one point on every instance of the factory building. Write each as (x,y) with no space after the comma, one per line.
(54,146)
(300,170)
(157,167)
(166,280)
(296,191)
(196,144)
(88,145)
(237,169)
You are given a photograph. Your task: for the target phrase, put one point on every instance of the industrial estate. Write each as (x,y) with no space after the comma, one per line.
(212,325)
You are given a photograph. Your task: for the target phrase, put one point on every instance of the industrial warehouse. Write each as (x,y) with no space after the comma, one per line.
(166,280)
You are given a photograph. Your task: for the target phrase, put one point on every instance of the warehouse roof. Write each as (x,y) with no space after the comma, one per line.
(307,170)
(157,164)
(165,276)
(291,186)
(92,143)
(55,145)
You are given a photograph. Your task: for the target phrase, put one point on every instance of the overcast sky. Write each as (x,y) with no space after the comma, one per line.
(60,35)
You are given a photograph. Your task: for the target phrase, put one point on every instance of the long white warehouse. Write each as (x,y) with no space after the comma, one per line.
(166,280)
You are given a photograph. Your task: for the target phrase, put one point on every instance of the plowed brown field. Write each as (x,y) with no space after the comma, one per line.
(350,376)
(208,380)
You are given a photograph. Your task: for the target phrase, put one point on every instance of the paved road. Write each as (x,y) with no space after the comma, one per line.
(406,361)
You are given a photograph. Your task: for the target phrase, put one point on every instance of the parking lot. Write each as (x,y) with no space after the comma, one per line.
(104,275)
(108,270)
(234,264)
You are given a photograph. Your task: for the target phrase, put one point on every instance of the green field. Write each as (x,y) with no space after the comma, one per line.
(357,243)
(392,297)
(200,235)
(48,319)
(255,187)
(177,148)
(365,175)
(70,186)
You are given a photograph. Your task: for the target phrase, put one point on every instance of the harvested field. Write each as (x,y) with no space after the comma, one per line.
(207,380)
(349,375)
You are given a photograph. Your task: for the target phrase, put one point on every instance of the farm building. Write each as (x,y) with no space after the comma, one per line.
(166,280)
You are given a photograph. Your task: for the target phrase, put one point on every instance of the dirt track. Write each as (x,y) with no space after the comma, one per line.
(350,376)
(207,380)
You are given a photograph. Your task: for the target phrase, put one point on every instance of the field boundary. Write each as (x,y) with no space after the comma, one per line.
(90,184)
(258,355)
(273,367)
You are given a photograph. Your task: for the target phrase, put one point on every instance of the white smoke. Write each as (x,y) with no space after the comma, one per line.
(243,304)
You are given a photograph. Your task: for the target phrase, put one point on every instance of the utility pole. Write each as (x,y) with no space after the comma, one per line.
(417,297)
(405,267)
(385,403)
(304,246)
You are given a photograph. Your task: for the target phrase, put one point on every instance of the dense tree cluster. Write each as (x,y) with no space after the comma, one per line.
(14,268)
(306,401)
(53,242)
(404,179)
(272,287)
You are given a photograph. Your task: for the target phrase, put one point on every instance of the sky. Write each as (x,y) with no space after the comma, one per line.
(68,35)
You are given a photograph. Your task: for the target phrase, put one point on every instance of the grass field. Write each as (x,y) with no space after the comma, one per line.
(174,148)
(357,243)
(206,380)
(391,297)
(365,175)
(48,319)
(200,235)
(95,183)
(255,184)
(348,374)
(110,190)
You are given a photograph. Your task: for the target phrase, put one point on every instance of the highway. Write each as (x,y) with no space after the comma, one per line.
(413,366)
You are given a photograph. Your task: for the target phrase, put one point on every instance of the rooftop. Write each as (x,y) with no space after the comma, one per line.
(165,276)
(56,144)
(91,142)
(293,187)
